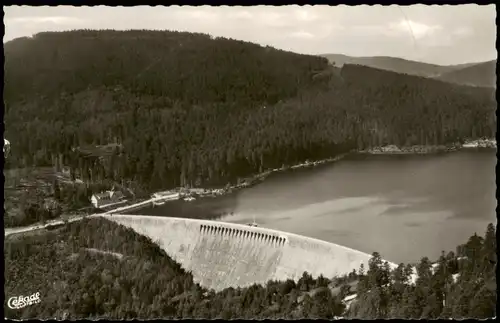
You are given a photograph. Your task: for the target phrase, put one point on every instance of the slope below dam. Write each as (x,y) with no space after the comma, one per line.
(222,255)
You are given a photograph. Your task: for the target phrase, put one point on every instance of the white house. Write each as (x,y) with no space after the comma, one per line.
(106,198)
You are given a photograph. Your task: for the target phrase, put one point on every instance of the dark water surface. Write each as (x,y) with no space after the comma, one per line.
(404,207)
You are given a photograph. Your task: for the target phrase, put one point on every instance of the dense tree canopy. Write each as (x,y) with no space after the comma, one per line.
(98,269)
(187,109)
(192,110)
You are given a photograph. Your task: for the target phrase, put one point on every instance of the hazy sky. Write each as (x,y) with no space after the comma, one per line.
(434,34)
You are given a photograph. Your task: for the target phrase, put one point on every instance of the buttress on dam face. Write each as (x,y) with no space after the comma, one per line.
(221,255)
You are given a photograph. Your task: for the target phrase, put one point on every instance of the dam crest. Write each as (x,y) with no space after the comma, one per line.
(221,255)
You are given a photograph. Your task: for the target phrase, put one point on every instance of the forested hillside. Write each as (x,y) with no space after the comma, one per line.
(483,74)
(98,269)
(186,67)
(192,110)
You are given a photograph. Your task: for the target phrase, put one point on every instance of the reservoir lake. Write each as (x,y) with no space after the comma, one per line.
(403,206)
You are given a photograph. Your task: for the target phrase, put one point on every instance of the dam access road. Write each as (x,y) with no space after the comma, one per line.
(222,255)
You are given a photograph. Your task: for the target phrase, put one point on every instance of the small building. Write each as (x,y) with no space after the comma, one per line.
(167,195)
(66,170)
(349,300)
(197,190)
(106,198)
(6,147)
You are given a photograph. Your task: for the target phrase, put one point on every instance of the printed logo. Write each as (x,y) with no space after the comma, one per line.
(19,302)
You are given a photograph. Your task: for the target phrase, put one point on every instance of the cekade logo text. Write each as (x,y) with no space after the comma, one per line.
(23,301)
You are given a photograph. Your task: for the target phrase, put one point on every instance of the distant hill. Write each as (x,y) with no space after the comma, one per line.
(482,74)
(395,64)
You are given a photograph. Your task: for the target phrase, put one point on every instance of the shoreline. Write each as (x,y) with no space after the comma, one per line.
(260,177)
(430,149)
(251,181)
(198,192)
(412,150)
(385,150)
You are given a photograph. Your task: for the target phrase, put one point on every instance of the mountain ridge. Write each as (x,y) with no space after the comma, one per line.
(481,74)
(410,67)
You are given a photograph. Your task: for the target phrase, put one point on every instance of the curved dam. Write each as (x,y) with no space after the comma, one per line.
(222,255)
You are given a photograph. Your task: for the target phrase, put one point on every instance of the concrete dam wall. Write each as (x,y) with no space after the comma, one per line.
(222,255)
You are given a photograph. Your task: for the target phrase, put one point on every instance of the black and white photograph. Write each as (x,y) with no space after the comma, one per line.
(255,162)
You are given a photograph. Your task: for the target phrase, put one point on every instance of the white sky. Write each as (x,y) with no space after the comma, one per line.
(441,34)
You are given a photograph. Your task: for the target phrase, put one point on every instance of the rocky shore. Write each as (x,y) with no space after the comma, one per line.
(431,149)
(417,149)
(254,180)
(480,143)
